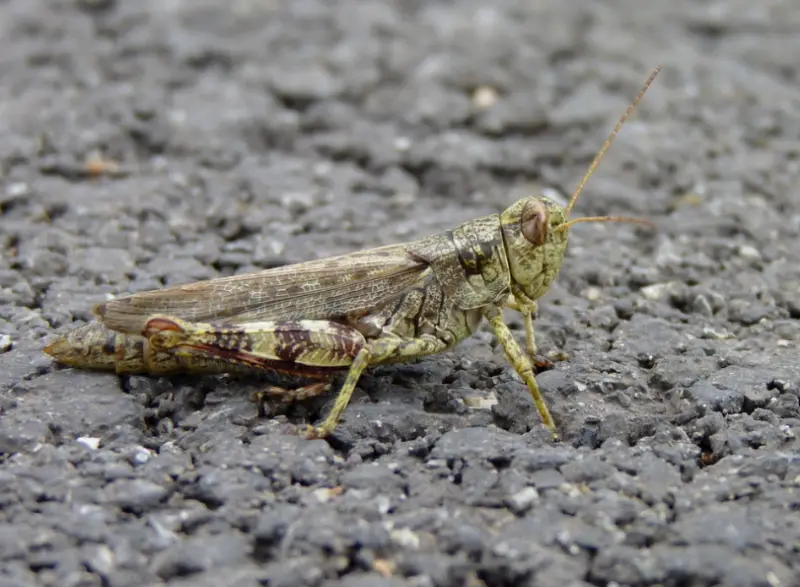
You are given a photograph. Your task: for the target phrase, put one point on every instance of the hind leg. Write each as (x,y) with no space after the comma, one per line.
(288,396)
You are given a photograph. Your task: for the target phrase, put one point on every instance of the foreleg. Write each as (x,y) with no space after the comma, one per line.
(521,363)
(528,309)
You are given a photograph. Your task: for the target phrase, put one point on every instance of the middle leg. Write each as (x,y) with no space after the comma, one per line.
(375,352)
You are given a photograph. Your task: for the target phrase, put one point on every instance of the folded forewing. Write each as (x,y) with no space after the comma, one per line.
(314,290)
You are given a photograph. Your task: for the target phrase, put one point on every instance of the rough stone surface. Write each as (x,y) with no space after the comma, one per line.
(256,133)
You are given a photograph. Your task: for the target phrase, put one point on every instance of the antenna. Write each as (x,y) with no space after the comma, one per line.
(596,161)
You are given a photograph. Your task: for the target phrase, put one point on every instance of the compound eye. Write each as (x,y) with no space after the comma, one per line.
(534,222)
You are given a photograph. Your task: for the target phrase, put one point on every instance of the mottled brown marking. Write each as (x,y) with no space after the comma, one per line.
(232,337)
(264,364)
(473,259)
(344,336)
(291,341)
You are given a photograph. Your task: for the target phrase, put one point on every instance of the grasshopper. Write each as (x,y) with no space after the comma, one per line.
(343,314)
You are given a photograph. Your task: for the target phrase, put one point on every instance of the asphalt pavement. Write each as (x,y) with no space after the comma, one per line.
(152,143)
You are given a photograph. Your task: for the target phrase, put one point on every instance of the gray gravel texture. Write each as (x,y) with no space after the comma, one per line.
(256,133)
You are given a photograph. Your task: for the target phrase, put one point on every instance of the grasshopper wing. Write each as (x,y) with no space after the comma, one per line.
(314,290)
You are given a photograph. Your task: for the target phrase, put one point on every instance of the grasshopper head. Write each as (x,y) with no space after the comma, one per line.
(535,228)
(535,237)
(534,247)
